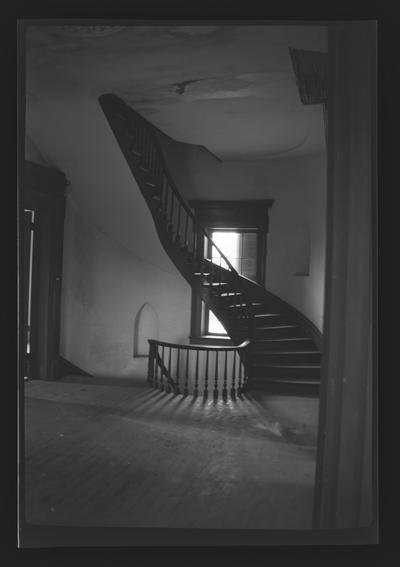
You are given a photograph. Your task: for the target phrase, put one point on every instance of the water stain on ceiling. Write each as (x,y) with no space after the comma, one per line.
(207,82)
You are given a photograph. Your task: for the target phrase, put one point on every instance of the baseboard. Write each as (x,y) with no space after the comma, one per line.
(65,368)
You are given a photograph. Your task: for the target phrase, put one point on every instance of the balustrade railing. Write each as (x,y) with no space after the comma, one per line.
(198,370)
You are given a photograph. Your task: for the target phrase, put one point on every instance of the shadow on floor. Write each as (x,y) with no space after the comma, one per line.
(105,381)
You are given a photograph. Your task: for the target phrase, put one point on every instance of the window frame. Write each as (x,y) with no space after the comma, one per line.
(237,216)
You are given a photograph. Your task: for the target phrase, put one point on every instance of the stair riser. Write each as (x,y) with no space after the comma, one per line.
(270,320)
(282,372)
(266,321)
(291,358)
(283,345)
(277,332)
(257,309)
(281,387)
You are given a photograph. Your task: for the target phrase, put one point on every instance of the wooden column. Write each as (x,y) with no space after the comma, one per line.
(346,459)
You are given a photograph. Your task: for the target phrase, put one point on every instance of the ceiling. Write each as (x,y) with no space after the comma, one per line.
(230,88)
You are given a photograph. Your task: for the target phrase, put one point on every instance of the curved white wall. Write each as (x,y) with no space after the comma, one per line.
(104,286)
(113,261)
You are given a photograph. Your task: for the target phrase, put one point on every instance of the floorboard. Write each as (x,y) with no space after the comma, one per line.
(121,454)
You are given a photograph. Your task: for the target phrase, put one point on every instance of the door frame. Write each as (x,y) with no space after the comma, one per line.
(43,190)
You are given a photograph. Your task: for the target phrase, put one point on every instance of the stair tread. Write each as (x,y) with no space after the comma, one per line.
(230,293)
(310,379)
(288,365)
(277,326)
(267,315)
(290,381)
(282,352)
(281,339)
(254,304)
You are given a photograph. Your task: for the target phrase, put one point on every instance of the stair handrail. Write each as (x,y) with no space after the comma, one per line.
(171,181)
(242,345)
(162,366)
(152,130)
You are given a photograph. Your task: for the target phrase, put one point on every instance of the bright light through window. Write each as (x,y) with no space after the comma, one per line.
(228,243)
(214,326)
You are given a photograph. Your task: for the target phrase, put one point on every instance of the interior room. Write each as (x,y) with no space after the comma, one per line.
(196,263)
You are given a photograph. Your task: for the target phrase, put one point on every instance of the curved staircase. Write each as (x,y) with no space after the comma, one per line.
(283,347)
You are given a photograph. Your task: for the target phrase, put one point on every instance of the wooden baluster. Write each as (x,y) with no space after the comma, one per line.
(155,384)
(155,165)
(149,148)
(185,390)
(225,390)
(171,214)
(233,391)
(139,147)
(131,135)
(162,193)
(247,359)
(178,227)
(240,376)
(162,370)
(194,238)
(148,151)
(150,367)
(145,151)
(177,391)
(159,171)
(216,376)
(135,148)
(185,242)
(206,375)
(165,203)
(151,157)
(196,378)
(169,371)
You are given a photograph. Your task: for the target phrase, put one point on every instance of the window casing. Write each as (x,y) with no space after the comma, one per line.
(246,224)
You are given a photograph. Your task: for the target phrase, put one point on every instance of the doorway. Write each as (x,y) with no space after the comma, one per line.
(42,241)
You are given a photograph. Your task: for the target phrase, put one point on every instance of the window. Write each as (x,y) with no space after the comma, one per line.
(239,229)
(240,248)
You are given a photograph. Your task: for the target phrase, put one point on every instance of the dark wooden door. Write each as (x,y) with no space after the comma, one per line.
(42,242)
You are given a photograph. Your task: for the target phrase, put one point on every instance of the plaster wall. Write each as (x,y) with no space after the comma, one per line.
(113,261)
(104,287)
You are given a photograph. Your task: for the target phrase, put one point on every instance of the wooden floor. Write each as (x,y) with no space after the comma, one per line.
(120,454)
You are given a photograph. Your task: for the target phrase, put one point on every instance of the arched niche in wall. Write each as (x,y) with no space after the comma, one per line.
(146,327)
(302,249)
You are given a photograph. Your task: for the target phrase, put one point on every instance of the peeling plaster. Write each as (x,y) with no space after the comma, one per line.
(180,87)
(206,82)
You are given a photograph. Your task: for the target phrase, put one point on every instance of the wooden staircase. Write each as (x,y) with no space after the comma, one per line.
(284,350)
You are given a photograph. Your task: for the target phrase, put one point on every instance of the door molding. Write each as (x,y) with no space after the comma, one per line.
(42,190)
